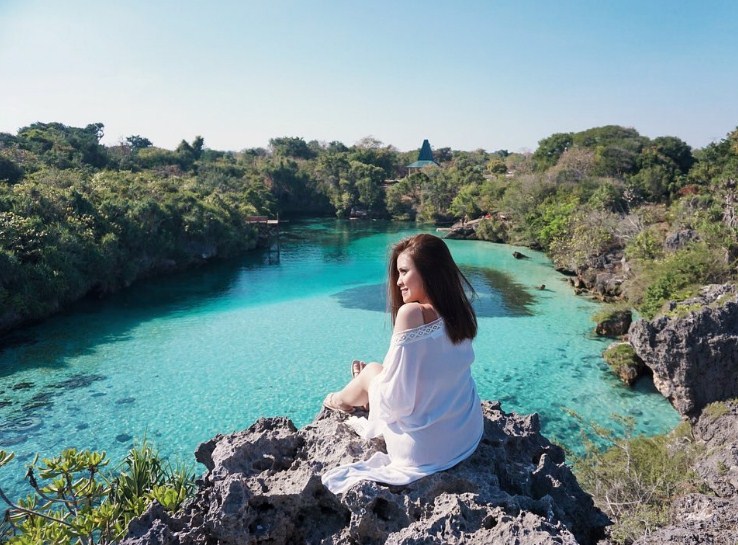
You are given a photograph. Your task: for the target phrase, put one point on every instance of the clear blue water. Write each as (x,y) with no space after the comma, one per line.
(180,359)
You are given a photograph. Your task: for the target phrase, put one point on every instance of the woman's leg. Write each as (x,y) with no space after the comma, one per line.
(356,392)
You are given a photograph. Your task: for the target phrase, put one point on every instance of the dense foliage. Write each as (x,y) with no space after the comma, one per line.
(78,217)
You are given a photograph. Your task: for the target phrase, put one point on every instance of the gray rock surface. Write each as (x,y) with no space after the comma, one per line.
(601,276)
(680,239)
(718,466)
(263,486)
(703,520)
(694,358)
(615,325)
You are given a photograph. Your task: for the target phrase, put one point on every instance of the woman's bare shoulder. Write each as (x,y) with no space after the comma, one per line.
(409,316)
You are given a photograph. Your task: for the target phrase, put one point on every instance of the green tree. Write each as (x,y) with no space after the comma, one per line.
(368,181)
(136,142)
(292,147)
(550,150)
(10,172)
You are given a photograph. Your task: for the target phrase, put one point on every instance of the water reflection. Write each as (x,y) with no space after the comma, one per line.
(372,297)
(497,295)
(76,331)
(334,238)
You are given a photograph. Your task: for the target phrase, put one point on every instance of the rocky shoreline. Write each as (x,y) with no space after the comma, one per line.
(693,354)
(263,486)
(600,278)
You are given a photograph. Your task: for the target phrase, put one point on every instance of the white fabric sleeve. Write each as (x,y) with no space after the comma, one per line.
(392,394)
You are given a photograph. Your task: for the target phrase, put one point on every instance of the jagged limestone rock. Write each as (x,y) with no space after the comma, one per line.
(693,350)
(263,486)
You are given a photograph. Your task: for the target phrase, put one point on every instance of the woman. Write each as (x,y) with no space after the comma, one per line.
(422,399)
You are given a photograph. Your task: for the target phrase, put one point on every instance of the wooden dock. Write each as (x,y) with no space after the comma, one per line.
(269,235)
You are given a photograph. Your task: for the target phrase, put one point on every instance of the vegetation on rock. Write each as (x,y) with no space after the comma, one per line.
(624,362)
(77,217)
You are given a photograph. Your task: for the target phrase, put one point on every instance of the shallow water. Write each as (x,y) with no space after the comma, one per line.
(180,359)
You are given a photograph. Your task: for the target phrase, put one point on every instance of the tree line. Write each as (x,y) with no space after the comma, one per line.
(78,217)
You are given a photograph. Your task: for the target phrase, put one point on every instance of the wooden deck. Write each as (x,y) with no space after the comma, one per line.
(262,219)
(269,235)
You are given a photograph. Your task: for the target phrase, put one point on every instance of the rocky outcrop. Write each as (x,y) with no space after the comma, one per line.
(464,230)
(708,517)
(615,324)
(624,362)
(693,351)
(718,466)
(679,239)
(602,276)
(703,519)
(262,485)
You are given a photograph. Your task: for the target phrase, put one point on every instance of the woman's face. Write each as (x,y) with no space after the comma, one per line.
(409,280)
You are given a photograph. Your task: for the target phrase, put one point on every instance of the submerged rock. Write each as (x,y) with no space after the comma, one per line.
(693,351)
(262,485)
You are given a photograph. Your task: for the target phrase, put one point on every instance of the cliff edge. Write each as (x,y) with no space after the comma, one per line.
(262,485)
(693,353)
(693,349)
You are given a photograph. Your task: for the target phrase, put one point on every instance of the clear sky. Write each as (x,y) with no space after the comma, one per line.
(491,74)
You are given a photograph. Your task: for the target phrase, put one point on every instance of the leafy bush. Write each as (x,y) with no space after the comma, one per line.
(646,245)
(588,233)
(492,229)
(75,502)
(553,217)
(678,276)
(609,311)
(716,409)
(634,479)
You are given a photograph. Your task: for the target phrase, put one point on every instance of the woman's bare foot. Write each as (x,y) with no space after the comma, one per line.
(356,367)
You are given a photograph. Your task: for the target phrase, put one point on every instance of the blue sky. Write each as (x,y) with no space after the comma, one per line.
(491,74)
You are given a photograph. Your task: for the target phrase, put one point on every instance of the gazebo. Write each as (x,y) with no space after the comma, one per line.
(425,158)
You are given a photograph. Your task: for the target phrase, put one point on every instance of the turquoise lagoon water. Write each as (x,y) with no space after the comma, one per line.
(180,359)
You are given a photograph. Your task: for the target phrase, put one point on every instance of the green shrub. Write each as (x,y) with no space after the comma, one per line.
(679,275)
(74,501)
(716,409)
(623,361)
(634,479)
(553,219)
(607,312)
(588,233)
(492,230)
(646,245)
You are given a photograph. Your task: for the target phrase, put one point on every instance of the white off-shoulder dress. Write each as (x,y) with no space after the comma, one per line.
(424,403)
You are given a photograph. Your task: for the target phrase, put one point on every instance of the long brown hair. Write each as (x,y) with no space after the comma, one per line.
(443,282)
